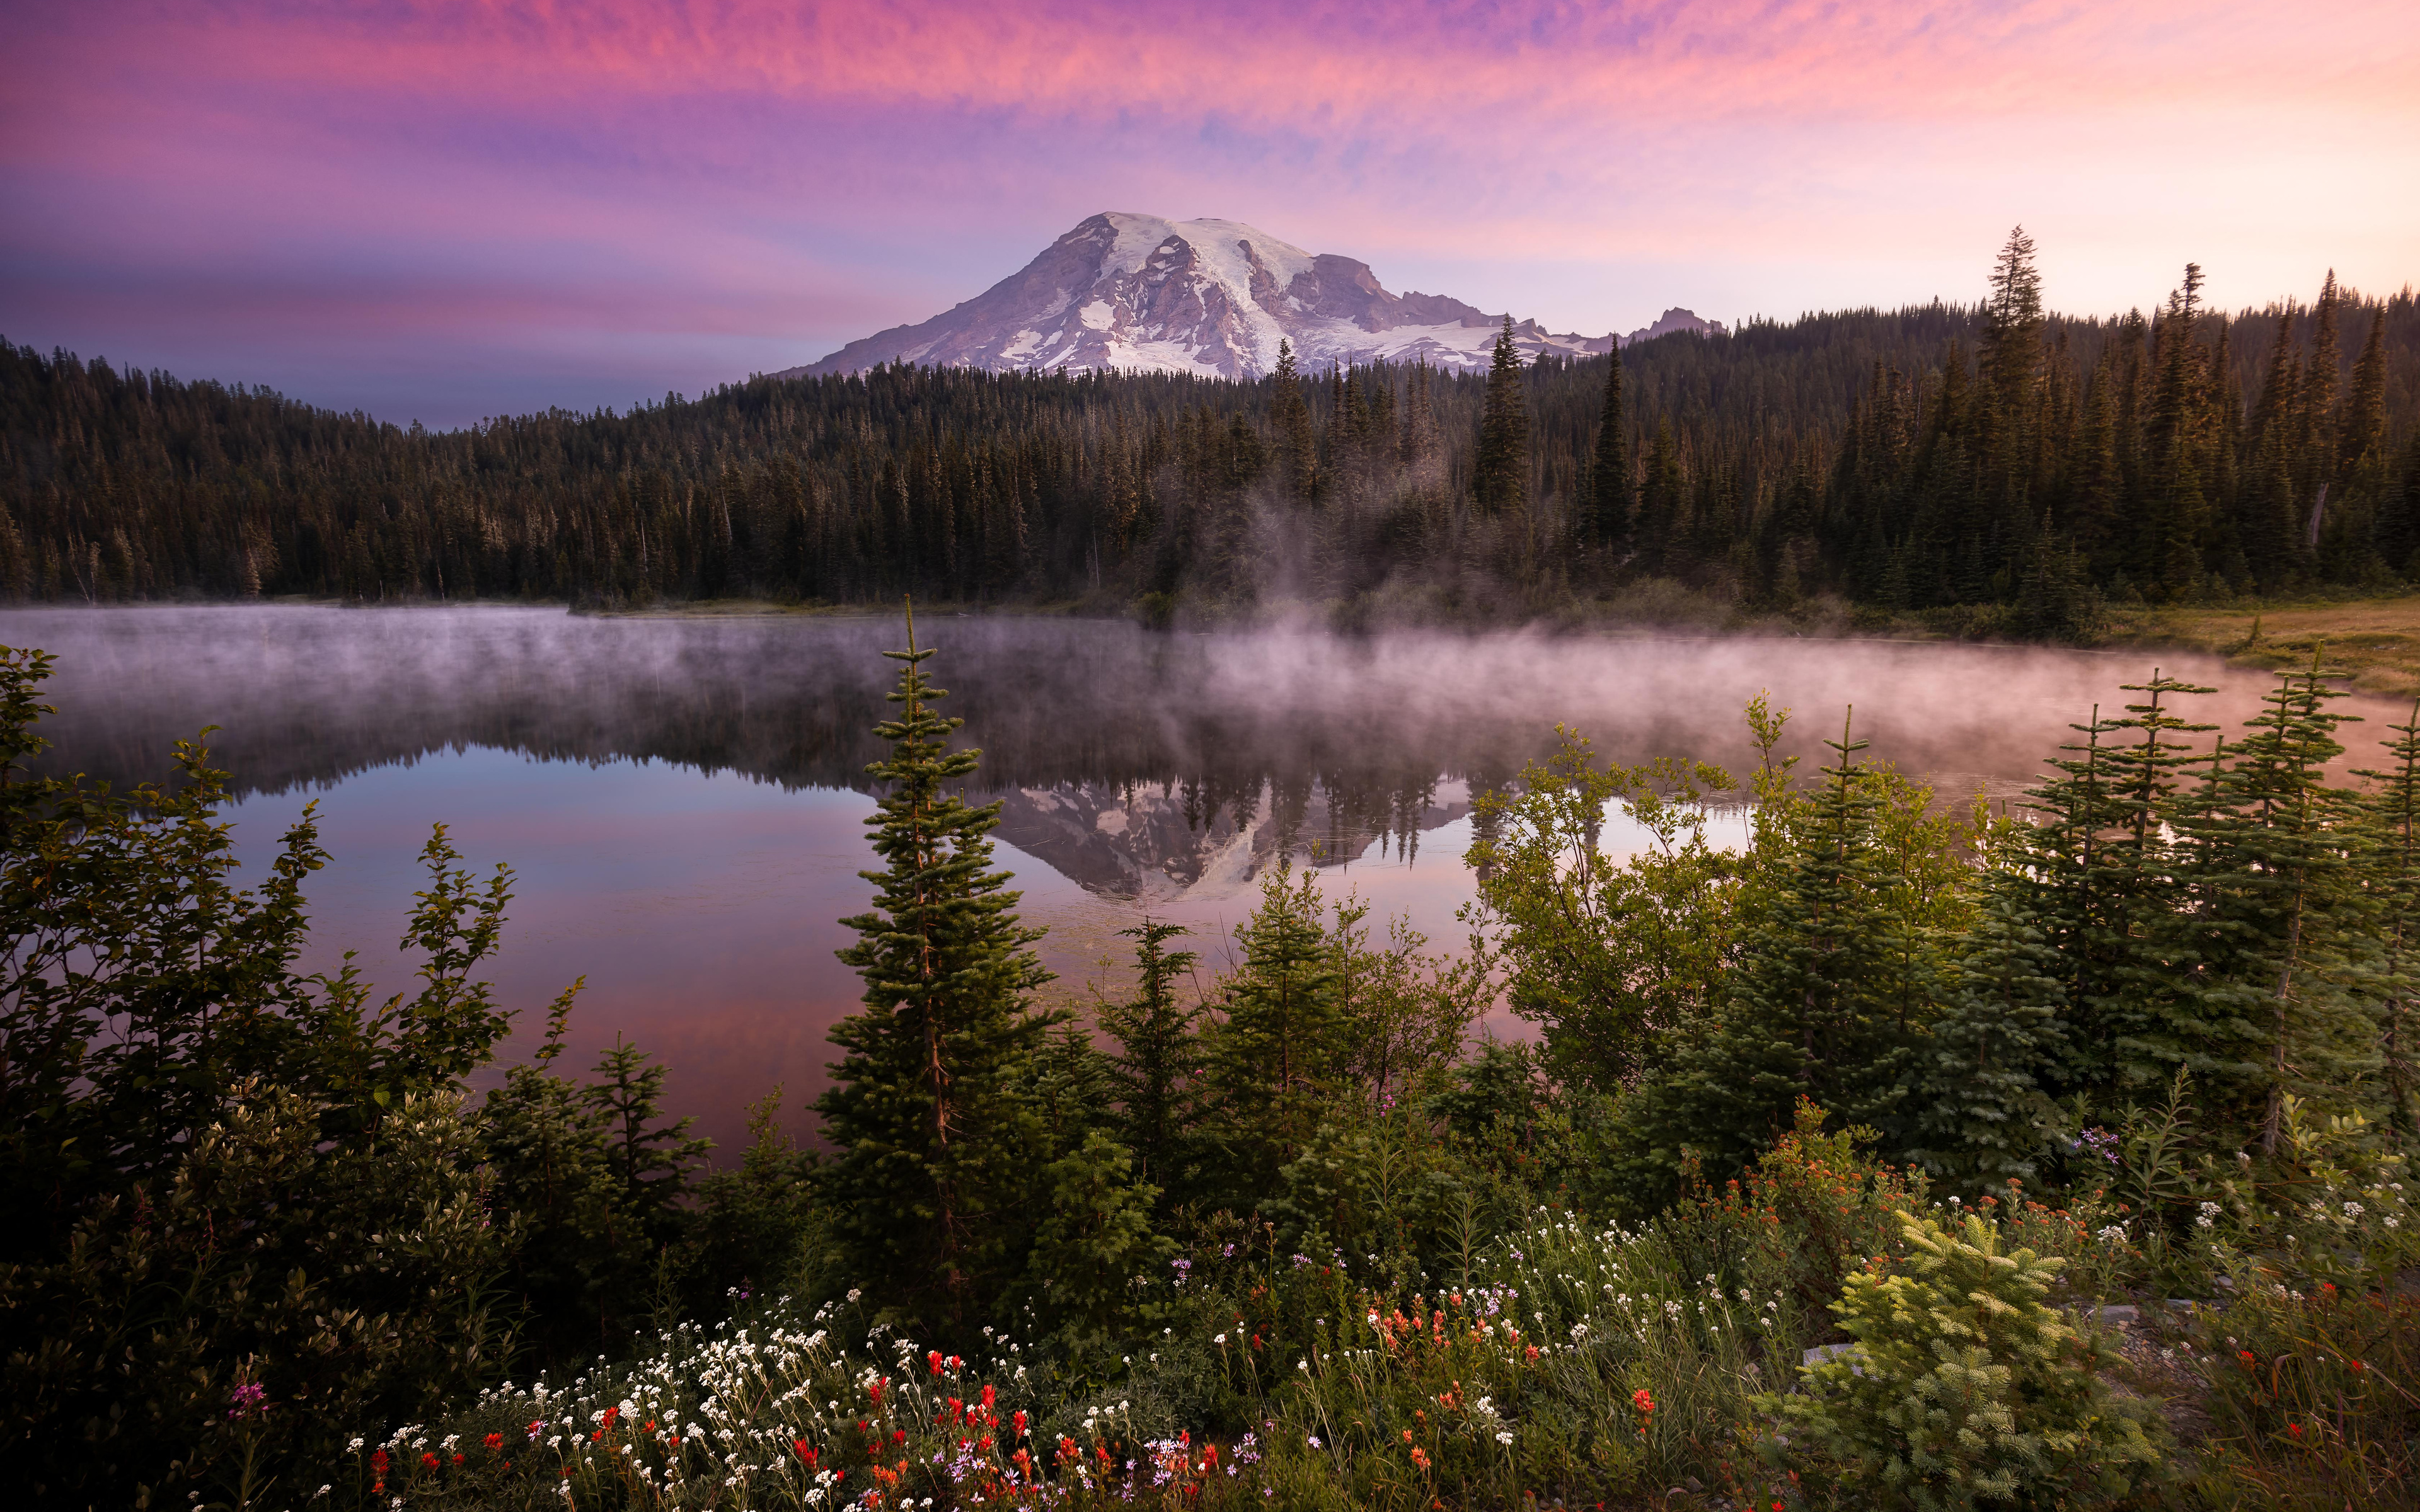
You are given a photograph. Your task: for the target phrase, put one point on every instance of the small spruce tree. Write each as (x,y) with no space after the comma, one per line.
(1157,1058)
(1269,1059)
(1998,1032)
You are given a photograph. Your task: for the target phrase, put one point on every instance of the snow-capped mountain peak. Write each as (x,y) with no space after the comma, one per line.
(1138,293)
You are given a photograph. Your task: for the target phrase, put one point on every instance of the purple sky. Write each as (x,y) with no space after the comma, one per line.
(443,210)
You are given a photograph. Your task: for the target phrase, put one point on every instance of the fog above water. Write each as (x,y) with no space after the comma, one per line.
(308,695)
(683,798)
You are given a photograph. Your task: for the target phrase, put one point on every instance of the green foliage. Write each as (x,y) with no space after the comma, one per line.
(1270,1059)
(1500,475)
(1988,1117)
(344,1283)
(1964,1387)
(752,1222)
(1813,1210)
(2265,847)
(1835,981)
(1094,1239)
(1158,1055)
(225,1173)
(2392,816)
(1602,955)
(933,1128)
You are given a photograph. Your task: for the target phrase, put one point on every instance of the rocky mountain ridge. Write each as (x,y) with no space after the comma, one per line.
(1136,293)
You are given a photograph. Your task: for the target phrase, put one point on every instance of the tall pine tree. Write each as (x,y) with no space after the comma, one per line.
(927,1105)
(1499,483)
(1609,485)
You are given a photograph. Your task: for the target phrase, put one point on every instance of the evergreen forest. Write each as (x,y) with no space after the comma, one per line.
(1906,1155)
(2001,469)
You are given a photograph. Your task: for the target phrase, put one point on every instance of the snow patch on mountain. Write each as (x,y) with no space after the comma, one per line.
(1212,298)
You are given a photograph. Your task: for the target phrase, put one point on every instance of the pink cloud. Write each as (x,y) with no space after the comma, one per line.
(808,173)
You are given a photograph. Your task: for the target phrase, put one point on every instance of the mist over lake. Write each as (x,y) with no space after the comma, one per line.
(683,798)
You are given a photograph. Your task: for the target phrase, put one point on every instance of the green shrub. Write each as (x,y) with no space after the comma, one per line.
(1964,1388)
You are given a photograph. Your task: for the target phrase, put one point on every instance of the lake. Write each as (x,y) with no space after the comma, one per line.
(683,798)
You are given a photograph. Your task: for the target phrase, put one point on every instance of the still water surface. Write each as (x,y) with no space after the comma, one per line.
(683,798)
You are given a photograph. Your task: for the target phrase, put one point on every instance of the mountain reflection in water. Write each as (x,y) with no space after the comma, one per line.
(1140,770)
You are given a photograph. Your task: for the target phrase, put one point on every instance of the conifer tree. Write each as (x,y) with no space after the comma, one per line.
(1997,1034)
(2012,352)
(1500,481)
(1819,1006)
(1269,1059)
(2175,525)
(1663,499)
(2392,867)
(1158,1055)
(1610,486)
(2113,942)
(926,1106)
(1290,413)
(2362,435)
(2255,1004)
(651,1160)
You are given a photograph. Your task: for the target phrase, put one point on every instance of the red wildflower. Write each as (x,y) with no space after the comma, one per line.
(899,1435)
(1018,1419)
(1641,1402)
(989,1397)
(874,1391)
(494,1441)
(377,1461)
(613,1415)
(1419,1458)
(538,1425)
(934,1360)
(2356,1364)
(2295,1429)
(430,1461)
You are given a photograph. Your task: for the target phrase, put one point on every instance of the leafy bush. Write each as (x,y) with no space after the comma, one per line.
(1811,1211)
(1965,1388)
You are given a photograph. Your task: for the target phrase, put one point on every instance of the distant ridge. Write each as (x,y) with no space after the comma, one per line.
(1136,293)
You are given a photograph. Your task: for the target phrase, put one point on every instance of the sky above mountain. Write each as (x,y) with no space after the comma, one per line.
(449,209)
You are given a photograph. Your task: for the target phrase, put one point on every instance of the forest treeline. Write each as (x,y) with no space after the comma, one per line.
(2017,466)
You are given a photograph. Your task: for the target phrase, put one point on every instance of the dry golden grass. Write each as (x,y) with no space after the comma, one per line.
(2376,639)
